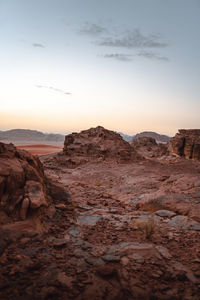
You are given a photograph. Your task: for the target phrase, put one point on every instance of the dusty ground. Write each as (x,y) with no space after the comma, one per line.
(132,232)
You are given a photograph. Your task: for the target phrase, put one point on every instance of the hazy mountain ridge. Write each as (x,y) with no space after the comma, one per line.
(35,135)
(158,137)
(30,135)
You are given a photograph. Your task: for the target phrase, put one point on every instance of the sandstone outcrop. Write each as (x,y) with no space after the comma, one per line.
(148,147)
(24,189)
(186,143)
(99,143)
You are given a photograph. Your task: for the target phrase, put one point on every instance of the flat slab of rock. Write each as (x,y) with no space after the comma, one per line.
(164,252)
(165,213)
(183,222)
(89,220)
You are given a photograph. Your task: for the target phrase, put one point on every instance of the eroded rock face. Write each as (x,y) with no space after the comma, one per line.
(99,143)
(24,189)
(22,182)
(186,143)
(148,147)
(144,141)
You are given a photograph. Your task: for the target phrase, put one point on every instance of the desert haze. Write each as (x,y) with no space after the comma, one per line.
(101,218)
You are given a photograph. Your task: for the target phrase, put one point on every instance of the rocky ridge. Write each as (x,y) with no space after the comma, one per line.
(186,143)
(99,143)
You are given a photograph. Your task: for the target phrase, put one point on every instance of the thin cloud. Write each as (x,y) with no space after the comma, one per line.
(152,55)
(53,89)
(133,39)
(92,29)
(38,45)
(118,56)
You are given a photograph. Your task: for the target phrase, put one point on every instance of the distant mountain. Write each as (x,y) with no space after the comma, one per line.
(30,135)
(158,137)
(126,137)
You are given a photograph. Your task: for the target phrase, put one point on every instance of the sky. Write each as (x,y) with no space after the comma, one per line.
(127,65)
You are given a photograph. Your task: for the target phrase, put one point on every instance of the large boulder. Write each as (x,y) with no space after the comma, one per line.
(99,143)
(186,143)
(24,190)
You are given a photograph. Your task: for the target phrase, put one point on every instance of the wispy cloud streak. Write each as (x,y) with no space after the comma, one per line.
(132,39)
(152,55)
(38,45)
(118,56)
(92,29)
(53,89)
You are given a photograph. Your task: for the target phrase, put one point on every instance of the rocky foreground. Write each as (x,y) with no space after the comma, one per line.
(114,221)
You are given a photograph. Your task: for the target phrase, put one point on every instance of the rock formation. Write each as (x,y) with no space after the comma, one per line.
(99,143)
(186,143)
(148,147)
(24,189)
(158,137)
(144,141)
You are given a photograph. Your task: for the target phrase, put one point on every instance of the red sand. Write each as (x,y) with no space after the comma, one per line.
(40,149)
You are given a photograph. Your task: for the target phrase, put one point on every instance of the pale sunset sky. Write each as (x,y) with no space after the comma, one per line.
(127,65)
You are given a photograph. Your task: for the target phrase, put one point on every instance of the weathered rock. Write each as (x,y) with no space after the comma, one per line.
(148,147)
(23,185)
(186,143)
(24,208)
(36,194)
(165,213)
(98,143)
(144,141)
(183,222)
(163,251)
(24,189)
(89,220)
(111,258)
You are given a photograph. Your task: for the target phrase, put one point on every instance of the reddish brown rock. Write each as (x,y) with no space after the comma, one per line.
(186,143)
(99,143)
(24,188)
(21,180)
(144,141)
(148,147)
